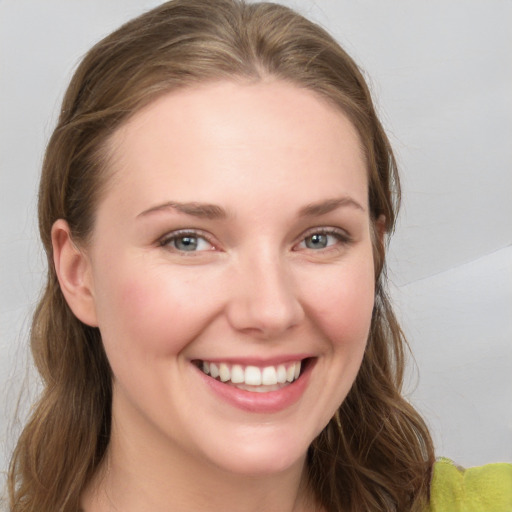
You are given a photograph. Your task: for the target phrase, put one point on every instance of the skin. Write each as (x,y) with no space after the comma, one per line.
(255,287)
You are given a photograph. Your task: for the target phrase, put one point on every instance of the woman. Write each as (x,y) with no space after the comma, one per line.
(215,330)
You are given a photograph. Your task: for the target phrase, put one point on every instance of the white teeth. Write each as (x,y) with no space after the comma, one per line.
(269,378)
(214,370)
(290,373)
(237,374)
(224,372)
(253,376)
(281,374)
(297,370)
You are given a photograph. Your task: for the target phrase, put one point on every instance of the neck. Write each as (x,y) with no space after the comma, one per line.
(138,477)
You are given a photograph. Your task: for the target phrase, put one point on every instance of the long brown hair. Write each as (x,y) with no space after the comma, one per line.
(376,453)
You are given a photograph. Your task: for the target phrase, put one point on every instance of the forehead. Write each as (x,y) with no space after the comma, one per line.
(228,133)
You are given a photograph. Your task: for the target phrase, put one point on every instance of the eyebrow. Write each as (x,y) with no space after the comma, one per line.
(213,211)
(201,210)
(329,205)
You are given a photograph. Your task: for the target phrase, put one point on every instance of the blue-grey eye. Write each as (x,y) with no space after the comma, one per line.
(317,241)
(186,243)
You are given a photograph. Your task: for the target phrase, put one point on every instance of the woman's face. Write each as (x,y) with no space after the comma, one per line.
(231,247)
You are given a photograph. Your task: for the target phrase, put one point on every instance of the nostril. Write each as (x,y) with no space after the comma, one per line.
(264,301)
(264,319)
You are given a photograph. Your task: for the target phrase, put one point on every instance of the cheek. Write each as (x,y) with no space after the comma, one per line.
(151,312)
(343,307)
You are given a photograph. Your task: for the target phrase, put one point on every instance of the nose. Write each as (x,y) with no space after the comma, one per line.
(264,302)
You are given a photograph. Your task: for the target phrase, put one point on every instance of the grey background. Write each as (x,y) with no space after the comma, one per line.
(441,74)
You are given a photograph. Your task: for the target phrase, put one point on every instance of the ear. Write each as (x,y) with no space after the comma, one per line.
(74,274)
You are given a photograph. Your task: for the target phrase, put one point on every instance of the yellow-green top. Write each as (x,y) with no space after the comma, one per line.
(481,489)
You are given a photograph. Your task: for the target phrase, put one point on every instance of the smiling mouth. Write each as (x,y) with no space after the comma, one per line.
(254,378)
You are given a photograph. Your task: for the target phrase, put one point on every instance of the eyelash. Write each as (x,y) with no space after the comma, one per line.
(167,240)
(342,237)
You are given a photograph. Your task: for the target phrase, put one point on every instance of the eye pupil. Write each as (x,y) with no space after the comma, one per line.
(316,241)
(186,243)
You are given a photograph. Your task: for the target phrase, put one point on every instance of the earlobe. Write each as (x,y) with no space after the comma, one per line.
(74,274)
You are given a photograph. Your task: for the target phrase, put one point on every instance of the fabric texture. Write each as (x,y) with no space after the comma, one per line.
(480,489)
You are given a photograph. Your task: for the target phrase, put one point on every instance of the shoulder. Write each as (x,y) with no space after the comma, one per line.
(485,488)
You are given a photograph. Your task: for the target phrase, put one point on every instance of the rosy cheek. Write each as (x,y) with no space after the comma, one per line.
(148,312)
(344,307)
(160,313)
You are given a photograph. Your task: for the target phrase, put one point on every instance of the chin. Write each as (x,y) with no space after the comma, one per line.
(261,457)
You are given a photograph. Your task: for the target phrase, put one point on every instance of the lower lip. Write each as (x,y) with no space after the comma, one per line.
(269,402)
